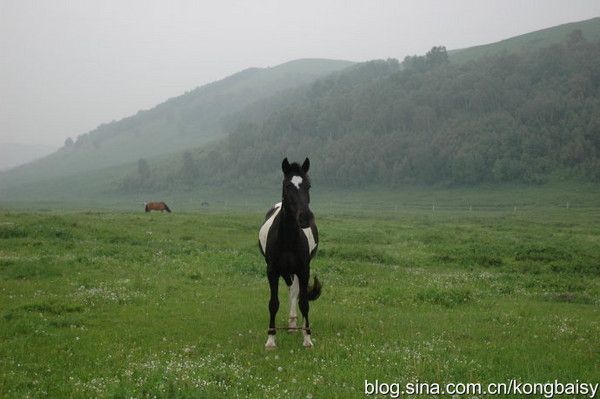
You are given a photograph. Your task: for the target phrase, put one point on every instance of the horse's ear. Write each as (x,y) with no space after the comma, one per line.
(285,166)
(306,165)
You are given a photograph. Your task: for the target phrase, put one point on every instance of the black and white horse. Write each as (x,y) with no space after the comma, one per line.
(288,240)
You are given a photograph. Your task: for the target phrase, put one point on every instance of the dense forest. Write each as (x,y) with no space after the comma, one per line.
(521,116)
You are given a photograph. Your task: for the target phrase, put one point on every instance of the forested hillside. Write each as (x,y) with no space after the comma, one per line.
(533,40)
(519,116)
(528,115)
(189,120)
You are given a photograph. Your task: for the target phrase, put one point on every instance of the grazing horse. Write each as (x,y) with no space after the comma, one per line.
(156,206)
(288,240)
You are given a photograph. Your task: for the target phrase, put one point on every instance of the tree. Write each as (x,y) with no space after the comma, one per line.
(69,142)
(437,56)
(575,38)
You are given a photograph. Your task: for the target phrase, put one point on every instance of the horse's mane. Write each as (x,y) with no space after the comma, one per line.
(296,168)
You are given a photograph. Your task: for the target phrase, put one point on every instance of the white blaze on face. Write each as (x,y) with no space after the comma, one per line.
(296,180)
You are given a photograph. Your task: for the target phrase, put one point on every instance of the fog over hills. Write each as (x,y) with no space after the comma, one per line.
(526,117)
(523,109)
(15,154)
(534,40)
(189,120)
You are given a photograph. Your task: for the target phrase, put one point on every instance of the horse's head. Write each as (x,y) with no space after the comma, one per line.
(296,186)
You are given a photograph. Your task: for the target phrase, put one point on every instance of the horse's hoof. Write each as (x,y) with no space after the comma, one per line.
(307,342)
(292,327)
(270,345)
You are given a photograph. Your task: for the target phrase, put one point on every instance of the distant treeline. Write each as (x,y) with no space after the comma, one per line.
(522,116)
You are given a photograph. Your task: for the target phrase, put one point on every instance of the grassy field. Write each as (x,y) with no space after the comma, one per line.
(126,304)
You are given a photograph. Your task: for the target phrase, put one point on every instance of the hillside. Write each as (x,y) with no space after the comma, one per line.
(186,121)
(14,154)
(529,41)
(516,114)
(513,117)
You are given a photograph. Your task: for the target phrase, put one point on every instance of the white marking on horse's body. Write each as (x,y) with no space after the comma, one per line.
(296,181)
(271,342)
(264,230)
(311,239)
(294,291)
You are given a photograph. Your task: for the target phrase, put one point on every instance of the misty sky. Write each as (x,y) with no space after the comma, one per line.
(67,66)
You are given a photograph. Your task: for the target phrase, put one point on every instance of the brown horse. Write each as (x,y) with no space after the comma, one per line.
(156,206)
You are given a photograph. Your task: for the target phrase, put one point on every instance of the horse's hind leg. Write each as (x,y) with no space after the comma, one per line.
(294,291)
(304,309)
(273,308)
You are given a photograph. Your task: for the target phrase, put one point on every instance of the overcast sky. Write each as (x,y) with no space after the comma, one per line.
(67,66)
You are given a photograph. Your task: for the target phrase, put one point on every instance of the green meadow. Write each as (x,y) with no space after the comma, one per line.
(121,304)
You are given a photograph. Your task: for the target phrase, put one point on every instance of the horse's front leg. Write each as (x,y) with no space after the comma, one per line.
(273,308)
(304,309)
(294,291)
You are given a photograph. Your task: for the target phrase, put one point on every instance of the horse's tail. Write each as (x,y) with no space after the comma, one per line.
(167,208)
(314,291)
